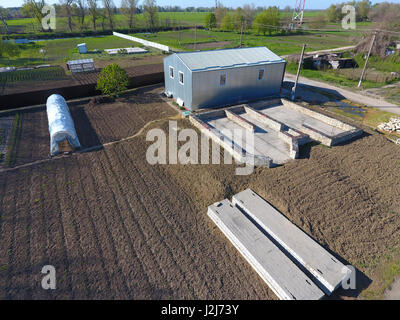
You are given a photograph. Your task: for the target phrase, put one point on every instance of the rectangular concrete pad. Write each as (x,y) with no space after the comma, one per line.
(275,268)
(319,262)
(296,119)
(266,140)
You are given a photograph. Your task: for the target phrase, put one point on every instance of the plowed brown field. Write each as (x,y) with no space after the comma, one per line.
(116,227)
(94,124)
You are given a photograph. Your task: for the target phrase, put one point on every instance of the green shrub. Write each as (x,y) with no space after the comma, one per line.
(210,21)
(113,80)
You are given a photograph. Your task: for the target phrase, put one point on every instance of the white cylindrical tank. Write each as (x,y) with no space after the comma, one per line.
(61,126)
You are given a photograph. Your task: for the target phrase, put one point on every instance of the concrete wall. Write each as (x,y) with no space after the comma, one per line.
(329,120)
(239,120)
(142,41)
(272,123)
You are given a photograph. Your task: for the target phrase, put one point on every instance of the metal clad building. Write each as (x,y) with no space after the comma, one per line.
(205,79)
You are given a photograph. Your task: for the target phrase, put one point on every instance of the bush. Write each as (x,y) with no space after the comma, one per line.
(113,80)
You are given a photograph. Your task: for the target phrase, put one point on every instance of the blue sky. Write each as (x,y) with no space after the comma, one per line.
(310,4)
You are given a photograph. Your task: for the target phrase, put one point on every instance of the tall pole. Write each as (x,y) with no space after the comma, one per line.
(241,34)
(195,37)
(298,73)
(366,61)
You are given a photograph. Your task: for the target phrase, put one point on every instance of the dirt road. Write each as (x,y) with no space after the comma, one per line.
(353,96)
(325,51)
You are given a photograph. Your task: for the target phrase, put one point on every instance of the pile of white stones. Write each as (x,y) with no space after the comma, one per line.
(392,125)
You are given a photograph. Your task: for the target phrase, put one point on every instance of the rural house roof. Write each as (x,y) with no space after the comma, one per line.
(228,58)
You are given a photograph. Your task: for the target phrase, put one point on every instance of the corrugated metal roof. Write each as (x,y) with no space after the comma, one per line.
(80,61)
(227,58)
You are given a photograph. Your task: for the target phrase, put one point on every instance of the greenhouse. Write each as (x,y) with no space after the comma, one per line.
(63,137)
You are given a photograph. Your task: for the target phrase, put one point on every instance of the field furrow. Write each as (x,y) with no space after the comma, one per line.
(3,251)
(161,240)
(133,273)
(179,217)
(154,273)
(101,228)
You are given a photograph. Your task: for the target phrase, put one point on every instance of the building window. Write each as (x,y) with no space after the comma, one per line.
(261,74)
(171,72)
(180,77)
(222,79)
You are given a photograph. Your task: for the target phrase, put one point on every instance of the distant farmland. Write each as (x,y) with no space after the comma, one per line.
(280,43)
(27,25)
(181,18)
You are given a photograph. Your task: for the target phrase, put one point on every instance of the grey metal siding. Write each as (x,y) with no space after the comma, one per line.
(178,90)
(169,83)
(183,91)
(242,85)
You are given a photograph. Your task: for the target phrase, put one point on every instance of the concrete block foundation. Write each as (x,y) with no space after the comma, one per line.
(278,129)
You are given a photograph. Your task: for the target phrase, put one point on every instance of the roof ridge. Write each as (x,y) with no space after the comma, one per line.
(227,58)
(222,49)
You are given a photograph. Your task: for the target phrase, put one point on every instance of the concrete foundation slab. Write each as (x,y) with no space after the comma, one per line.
(328,271)
(265,140)
(275,268)
(278,127)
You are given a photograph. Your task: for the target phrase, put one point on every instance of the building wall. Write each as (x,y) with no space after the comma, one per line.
(201,89)
(242,85)
(178,90)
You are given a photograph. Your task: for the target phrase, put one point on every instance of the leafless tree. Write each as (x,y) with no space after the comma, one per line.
(151,9)
(68,11)
(128,8)
(385,16)
(220,13)
(93,11)
(81,12)
(3,18)
(248,14)
(109,8)
(32,8)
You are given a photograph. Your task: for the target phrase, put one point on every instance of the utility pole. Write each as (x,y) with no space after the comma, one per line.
(366,62)
(298,73)
(195,37)
(241,34)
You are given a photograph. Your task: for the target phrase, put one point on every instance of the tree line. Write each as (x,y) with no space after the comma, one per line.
(94,14)
(101,13)
(261,19)
(384,15)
